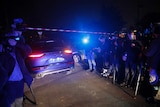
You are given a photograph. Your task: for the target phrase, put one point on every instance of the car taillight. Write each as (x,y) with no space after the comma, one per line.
(36,55)
(68,51)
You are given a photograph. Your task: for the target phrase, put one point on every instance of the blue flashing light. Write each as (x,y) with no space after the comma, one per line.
(85,40)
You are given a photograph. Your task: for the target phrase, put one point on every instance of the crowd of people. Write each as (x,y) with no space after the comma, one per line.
(127,55)
(122,53)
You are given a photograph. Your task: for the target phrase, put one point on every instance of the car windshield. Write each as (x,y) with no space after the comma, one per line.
(47,45)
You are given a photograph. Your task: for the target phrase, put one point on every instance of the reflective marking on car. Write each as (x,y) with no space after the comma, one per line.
(58,59)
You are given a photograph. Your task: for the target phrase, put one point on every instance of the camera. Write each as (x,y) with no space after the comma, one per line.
(16,38)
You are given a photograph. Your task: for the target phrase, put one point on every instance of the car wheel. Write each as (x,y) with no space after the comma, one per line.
(76,58)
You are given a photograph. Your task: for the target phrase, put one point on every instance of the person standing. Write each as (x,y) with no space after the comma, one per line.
(120,76)
(102,53)
(153,69)
(16,47)
(153,55)
(133,50)
(90,55)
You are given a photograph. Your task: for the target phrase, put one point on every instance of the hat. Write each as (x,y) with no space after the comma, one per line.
(18,21)
(18,24)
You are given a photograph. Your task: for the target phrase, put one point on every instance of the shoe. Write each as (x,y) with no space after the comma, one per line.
(105,70)
(91,70)
(105,74)
(122,84)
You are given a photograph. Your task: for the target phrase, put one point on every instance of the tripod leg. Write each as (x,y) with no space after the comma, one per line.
(31,90)
(26,98)
(114,74)
(137,85)
(34,99)
(138,81)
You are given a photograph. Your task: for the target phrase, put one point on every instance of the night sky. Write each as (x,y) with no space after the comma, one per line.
(93,15)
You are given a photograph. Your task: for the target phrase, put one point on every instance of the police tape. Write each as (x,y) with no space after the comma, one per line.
(66,30)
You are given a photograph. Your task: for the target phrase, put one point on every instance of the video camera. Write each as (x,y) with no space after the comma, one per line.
(5,44)
(16,38)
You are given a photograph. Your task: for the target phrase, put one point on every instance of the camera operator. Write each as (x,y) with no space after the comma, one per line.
(120,76)
(14,45)
(133,51)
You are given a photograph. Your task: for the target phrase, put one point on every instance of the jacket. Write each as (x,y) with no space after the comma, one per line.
(22,51)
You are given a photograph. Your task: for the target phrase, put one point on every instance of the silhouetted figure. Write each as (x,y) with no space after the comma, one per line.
(14,45)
